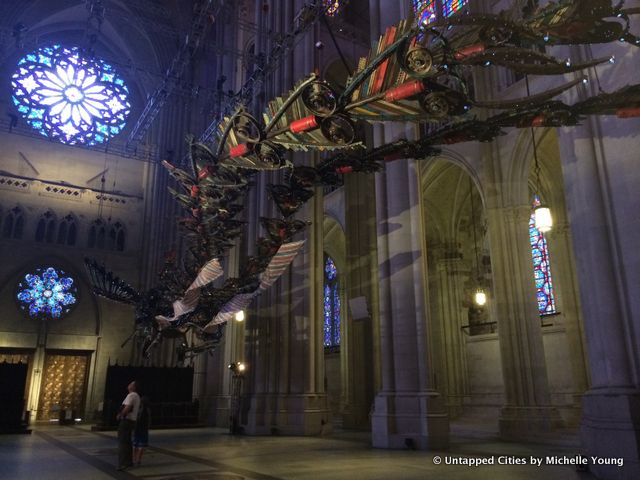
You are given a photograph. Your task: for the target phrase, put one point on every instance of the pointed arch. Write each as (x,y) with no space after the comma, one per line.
(107,235)
(331,302)
(13,225)
(116,238)
(46,227)
(97,234)
(67,230)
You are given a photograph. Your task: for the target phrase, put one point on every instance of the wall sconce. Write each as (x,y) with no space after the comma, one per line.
(237,368)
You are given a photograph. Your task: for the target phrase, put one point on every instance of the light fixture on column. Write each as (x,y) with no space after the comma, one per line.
(541,212)
(479,297)
(237,368)
(239,316)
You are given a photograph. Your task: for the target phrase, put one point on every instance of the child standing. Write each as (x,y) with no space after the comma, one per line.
(141,431)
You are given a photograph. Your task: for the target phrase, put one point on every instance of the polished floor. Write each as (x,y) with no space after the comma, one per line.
(67,453)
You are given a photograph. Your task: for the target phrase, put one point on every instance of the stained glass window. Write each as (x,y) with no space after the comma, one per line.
(97,232)
(541,267)
(13,224)
(107,236)
(331,304)
(46,227)
(115,240)
(450,7)
(66,95)
(67,231)
(47,293)
(424,11)
(331,7)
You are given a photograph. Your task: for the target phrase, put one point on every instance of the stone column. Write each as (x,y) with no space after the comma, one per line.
(284,344)
(33,402)
(599,171)
(361,372)
(407,412)
(568,298)
(528,407)
(450,360)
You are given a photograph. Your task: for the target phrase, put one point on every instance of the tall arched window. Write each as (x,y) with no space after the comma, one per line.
(429,10)
(107,236)
(331,298)
(13,225)
(97,234)
(67,231)
(541,267)
(115,240)
(46,229)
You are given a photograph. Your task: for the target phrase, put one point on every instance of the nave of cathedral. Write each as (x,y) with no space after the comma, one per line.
(329,239)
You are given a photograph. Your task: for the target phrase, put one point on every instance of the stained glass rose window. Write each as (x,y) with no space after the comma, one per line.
(47,293)
(66,95)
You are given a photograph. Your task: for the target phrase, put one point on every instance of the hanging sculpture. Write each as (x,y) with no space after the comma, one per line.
(417,73)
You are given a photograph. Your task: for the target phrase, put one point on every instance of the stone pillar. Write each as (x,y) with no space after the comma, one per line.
(361,372)
(407,412)
(599,172)
(450,360)
(33,402)
(528,409)
(284,390)
(568,298)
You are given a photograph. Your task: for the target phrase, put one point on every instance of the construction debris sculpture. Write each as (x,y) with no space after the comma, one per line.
(417,72)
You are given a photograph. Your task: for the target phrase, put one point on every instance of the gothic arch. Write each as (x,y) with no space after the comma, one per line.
(13,223)
(47,227)
(455,258)
(336,375)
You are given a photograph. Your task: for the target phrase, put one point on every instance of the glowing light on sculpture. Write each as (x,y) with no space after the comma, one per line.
(331,7)
(65,95)
(424,11)
(331,304)
(541,267)
(450,7)
(47,293)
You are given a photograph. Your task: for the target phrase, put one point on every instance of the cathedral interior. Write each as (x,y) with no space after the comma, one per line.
(393,237)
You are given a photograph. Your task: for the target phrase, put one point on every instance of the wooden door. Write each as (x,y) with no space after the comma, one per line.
(64,384)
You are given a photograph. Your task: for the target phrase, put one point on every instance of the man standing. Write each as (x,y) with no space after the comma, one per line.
(127,416)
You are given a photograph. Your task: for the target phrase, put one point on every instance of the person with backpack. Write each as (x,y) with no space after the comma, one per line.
(127,417)
(141,431)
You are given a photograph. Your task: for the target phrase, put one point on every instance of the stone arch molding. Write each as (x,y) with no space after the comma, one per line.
(520,172)
(335,241)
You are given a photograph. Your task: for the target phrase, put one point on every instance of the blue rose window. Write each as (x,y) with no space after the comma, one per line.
(47,293)
(70,97)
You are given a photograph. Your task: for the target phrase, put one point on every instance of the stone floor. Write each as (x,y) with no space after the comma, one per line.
(63,452)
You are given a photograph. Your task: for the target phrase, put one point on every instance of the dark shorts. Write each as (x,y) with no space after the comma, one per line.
(141,439)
